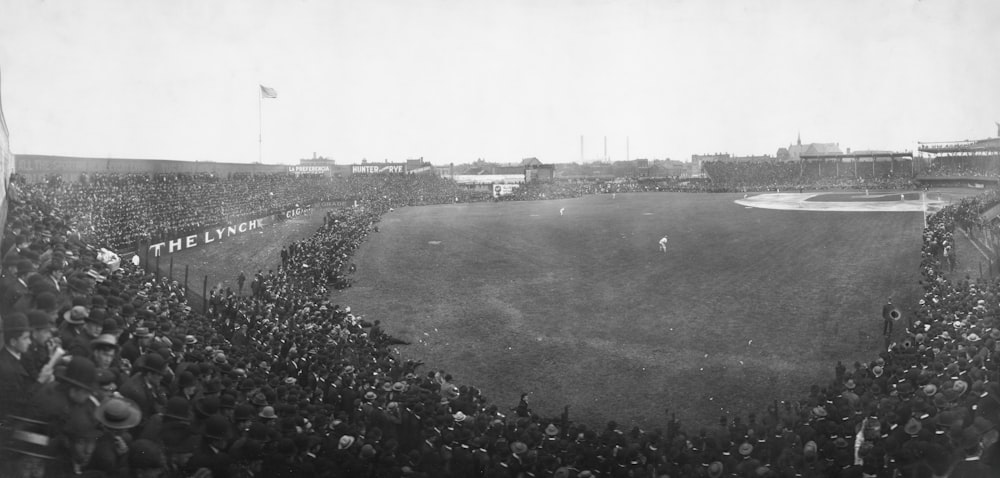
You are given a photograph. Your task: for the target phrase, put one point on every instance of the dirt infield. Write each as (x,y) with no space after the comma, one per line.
(853,202)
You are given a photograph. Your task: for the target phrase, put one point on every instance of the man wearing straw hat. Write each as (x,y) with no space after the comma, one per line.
(30,448)
(116,416)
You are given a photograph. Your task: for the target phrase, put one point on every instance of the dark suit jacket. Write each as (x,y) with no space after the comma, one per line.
(13,291)
(971,469)
(132,352)
(205,457)
(135,389)
(15,385)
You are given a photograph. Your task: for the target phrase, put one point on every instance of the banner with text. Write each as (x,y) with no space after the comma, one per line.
(222,233)
(385,168)
(504,189)
(337,203)
(309,170)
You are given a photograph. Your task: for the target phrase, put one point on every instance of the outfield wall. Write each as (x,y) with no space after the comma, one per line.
(34,167)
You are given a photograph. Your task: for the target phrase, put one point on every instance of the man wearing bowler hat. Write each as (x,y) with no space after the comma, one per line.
(93,324)
(45,348)
(139,344)
(144,387)
(69,398)
(17,288)
(72,325)
(16,384)
(212,452)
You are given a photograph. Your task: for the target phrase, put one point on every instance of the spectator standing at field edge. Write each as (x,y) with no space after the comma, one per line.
(887,319)
(240,280)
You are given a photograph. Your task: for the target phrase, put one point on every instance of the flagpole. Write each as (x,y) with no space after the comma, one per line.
(260,128)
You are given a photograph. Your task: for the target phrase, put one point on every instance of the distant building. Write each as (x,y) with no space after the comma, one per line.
(419,166)
(697,160)
(535,171)
(317,165)
(727,158)
(316,161)
(528,170)
(795,151)
(669,168)
(636,168)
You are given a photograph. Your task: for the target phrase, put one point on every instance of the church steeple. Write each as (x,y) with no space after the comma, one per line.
(800,139)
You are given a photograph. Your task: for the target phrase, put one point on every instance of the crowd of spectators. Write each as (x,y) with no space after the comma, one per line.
(118,211)
(752,176)
(965,166)
(778,175)
(553,190)
(109,372)
(406,190)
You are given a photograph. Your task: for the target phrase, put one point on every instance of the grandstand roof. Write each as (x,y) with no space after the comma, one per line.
(823,148)
(965,146)
(796,151)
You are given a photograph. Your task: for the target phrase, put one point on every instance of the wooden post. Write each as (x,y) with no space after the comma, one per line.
(204,296)
(171,268)
(157,275)
(145,264)
(185,280)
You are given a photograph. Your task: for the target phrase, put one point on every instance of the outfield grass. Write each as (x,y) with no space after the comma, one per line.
(747,306)
(584,310)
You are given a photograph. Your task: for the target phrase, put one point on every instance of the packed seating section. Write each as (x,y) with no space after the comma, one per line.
(114,374)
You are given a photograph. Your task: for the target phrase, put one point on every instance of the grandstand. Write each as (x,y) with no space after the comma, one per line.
(968,162)
(278,380)
(860,170)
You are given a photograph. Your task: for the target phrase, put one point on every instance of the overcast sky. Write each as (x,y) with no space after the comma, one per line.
(457,80)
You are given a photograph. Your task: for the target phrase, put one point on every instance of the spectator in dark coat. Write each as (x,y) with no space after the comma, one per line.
(144,388)
(17,287)
(16,384)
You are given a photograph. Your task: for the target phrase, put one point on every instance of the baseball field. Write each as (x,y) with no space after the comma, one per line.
(745,307)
